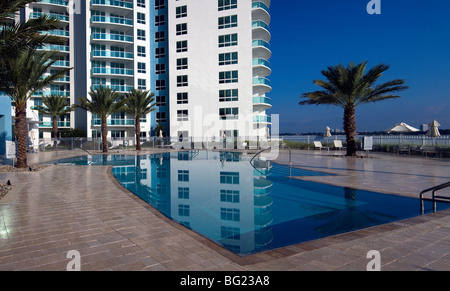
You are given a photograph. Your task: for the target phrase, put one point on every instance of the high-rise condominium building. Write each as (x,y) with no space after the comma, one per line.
(206,61)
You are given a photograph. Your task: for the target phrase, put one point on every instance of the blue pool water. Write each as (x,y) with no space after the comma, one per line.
(249,207)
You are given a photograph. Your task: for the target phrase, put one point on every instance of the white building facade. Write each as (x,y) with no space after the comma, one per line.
(218,64)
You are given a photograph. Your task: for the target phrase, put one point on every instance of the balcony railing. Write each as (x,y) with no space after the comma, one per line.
(262,119)
(56,2)
(119,88)
(113,122)
(260,23)
(261,81)
(261,62)
(115,37)
(262,100)
(50,124)
(112,20)
(57,32)
(256,5)
(54,47)
(113,71)
(112,54)
(57,16)
(260,42)
(51,92)
(115,3)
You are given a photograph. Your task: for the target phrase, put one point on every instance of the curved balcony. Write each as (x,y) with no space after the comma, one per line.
(54,2)
(53,5)
(107,21)
(51,92)
(263,220)
(261,49)
(57,16)
(263,102)
(104,54)
(260,11)
(112,38)
(262,119)
(261,86)
(261,30)
(261,68)
(113,6)
(113,72)
(58,32)
(61,63)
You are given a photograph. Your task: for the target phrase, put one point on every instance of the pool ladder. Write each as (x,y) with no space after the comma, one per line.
(434,198)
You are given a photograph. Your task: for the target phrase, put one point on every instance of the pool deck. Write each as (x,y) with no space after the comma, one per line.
(83,208)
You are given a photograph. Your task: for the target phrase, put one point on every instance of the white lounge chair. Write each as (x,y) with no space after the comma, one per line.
(338,144)
(318,144)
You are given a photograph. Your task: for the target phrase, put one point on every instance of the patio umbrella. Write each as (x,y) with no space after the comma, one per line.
(402,127)
(327,133)
(434,131)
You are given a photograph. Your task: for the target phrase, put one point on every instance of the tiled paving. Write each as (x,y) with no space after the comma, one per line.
(63,208)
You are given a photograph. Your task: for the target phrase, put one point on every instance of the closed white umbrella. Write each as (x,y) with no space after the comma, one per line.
(327,132)
(434,131)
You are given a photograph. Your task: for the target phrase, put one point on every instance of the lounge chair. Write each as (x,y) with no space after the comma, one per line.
(338,144)
(318,144)
(404,149)
(426,150)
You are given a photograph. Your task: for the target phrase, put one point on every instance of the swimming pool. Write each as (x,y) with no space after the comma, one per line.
(249,207)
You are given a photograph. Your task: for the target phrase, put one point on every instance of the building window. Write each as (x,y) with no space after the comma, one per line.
(160,4)
(182,98)
(141,51)
(181,11)
(160,101)
(231,196)
(183,175)
(230,232)
(228,77)
(183,193)
(140,18)
(183,210)
(160,117)
(142,84)
(141,3)
(227,4)
(228,21)
(228,59)
(182,115)
(228,113)
(229,178)
(140,34)
(228,40)
(160,69)
(160,52)
(160,36)
(231,214)
(181,29)
(182,46)
(160,20)
(141,68)
(229,95)
(182,64)
(182,81)
(160,85)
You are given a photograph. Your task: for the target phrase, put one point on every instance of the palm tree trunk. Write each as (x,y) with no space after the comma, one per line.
(104,134)
(138,133)
(55,131)
(350,129)
(21,131)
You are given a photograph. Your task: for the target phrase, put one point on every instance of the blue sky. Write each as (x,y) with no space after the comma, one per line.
(413,37)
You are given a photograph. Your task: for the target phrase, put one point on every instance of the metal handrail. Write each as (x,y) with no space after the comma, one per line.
(434,196)
(254,158)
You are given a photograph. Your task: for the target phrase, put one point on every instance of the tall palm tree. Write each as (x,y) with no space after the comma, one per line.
(350,86)
(138,104)
(55,106)
(103,102)
(17,37)
(28,75)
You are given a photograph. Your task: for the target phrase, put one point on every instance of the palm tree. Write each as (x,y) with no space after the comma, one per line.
(55,106)
(138,104)
(103,102)
(350,86)
(28,75)
(16,38)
